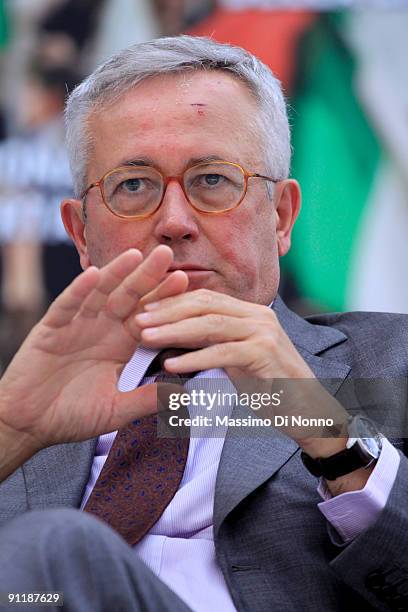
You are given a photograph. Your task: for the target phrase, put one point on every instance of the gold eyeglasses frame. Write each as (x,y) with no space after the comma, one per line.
(180,180)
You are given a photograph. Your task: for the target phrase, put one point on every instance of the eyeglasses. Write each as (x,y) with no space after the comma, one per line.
(211,188)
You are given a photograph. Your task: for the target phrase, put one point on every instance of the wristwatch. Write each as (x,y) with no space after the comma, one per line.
(363,448)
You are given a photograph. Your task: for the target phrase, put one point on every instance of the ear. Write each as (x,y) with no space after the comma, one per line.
(287,207)
(73,218)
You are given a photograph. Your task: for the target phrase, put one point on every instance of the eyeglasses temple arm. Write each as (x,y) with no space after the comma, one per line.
(85,193)
(267,178)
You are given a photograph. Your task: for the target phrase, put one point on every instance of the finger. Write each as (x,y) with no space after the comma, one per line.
(199,331)
(111,276)
(197,303)
(175,283)
(141,402)
(144,279)
(229,354)
(258,356)
(67,305)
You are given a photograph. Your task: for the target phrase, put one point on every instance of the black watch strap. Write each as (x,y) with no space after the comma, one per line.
(337,465)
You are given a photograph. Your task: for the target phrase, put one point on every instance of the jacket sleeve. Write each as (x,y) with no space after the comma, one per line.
(375,563)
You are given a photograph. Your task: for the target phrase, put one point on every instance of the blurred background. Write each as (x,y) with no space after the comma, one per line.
(343,69)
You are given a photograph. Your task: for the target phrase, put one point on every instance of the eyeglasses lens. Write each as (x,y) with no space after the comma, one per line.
(137,190)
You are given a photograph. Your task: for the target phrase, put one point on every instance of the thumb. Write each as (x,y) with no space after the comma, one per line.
(143,401)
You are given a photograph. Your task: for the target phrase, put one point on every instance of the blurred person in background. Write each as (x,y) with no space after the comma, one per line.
(59,31)
(37,260)
(77,19)
(72,28)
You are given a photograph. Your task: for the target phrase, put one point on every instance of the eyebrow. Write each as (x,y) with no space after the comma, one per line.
(148,161)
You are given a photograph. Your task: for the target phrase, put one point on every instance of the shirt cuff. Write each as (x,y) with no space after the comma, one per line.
(353,512)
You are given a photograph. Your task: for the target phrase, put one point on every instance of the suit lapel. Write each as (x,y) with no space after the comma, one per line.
(56,476)
(247,462)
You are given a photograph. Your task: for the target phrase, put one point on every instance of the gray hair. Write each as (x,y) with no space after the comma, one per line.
(177,54)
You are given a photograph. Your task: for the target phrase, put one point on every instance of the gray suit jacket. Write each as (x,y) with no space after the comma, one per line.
(274,546)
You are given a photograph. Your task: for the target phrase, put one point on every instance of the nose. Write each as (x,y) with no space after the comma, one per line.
(176,219)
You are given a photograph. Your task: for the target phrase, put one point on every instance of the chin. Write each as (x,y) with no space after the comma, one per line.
(197,283)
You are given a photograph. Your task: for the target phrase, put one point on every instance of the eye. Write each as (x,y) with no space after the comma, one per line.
(132,185)
(213,179)
(210,180)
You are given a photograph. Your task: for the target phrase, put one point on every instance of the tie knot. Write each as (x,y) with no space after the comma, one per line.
(156,368)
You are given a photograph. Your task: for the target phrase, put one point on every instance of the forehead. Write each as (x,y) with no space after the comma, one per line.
(172,118)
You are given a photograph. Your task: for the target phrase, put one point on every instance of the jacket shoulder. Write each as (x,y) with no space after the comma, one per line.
(376,341)
(378,322)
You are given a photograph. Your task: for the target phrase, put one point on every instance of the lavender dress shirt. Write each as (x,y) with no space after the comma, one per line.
(179,548)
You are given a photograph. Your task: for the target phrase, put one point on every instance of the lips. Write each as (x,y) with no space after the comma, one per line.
(189,267)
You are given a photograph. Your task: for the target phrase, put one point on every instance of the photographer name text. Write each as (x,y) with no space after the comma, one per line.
(227,421)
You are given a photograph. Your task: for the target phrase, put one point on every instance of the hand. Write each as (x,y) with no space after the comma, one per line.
(248,341)
(244,338)
(62,384)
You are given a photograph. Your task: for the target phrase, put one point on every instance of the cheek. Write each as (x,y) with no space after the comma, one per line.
(247,249)
(249,238)
(108,238)
(237,250)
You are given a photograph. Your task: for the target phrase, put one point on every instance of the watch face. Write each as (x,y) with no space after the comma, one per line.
(364,428)
(368,437)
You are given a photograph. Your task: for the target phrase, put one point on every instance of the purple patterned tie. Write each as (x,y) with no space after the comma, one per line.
(142,472)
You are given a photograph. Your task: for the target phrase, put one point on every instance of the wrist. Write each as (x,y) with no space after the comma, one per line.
(355,481)
(16,447)
(350,467)
(323,447)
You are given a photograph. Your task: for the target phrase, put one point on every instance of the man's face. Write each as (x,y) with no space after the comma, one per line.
(169,122)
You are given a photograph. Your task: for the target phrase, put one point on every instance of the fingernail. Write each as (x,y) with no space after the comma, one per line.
(151,305)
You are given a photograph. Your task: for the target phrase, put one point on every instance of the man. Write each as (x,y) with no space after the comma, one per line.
(180,154)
